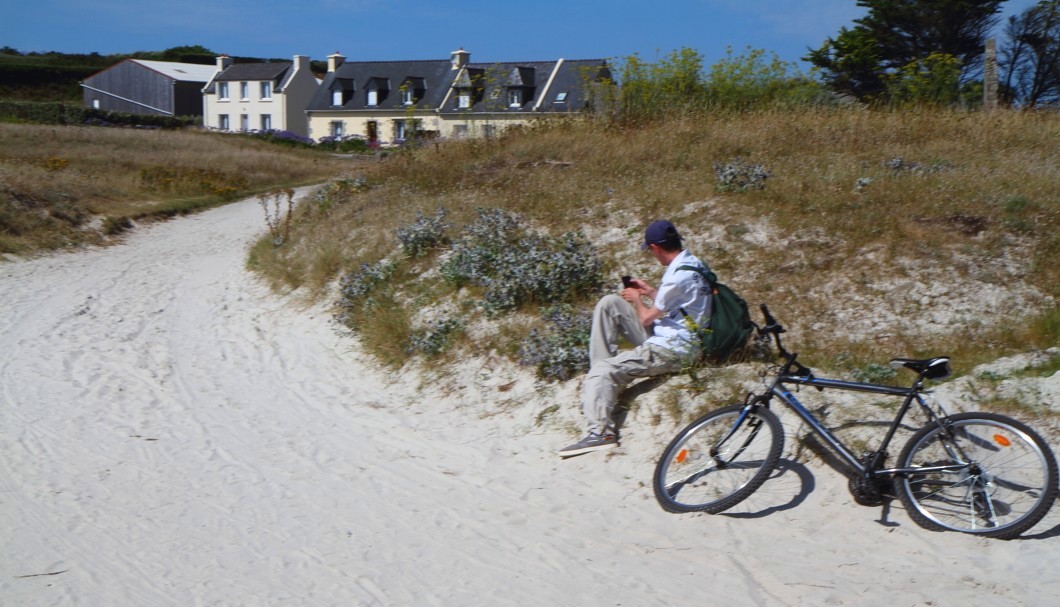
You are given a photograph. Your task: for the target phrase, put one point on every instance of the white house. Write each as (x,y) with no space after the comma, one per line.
(259,96)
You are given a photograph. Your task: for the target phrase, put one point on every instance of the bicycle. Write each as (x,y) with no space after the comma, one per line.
(979,473)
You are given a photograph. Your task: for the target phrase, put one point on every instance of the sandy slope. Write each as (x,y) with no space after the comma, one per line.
(172,434)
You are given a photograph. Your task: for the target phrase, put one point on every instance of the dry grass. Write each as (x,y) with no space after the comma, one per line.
(55,180)
(891,268)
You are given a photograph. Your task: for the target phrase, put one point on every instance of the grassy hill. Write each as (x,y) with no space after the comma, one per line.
(872,234)
(72,185)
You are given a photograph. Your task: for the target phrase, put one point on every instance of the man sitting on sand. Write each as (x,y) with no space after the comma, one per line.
(661,333)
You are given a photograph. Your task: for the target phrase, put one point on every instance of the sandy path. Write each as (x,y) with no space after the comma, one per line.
(172,434)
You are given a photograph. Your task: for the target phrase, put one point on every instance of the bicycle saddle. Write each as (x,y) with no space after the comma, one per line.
(933,368)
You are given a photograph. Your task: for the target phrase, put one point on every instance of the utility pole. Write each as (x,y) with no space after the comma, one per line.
(990,83)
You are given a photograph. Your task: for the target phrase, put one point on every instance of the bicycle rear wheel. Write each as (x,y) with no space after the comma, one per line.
(985,474)
(718,460)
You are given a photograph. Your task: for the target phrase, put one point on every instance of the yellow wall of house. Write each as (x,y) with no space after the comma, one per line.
(448,127)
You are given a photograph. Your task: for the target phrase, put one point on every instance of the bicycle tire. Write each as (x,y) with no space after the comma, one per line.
(1006,483)
(688,478)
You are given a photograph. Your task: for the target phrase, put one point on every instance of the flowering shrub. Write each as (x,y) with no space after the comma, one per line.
(560,350)
(356,288)
(740,176)
(436,337)
(515,266)
(345,144)
(423,234)
(283,138)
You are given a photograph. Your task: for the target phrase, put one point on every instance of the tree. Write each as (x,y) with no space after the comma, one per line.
(1030,61)
(897,33)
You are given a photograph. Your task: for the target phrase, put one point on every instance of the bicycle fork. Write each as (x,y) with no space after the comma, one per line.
(754,424)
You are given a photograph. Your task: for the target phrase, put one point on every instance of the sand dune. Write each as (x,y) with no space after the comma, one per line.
(171,433)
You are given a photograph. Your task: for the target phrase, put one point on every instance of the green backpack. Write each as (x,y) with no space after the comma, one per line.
(730,321)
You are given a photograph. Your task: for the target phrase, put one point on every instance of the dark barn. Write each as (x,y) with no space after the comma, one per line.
(136,86)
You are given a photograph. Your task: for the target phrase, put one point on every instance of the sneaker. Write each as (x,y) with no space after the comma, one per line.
(592,442)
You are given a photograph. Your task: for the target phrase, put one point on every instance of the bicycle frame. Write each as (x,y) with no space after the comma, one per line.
(911,394)
(794,373)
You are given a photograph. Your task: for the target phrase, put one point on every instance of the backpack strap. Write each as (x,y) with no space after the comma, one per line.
(705,272)
(707,275)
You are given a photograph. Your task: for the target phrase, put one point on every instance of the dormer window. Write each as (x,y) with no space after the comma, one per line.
(376,91)
(469,89)
(520,84)
(412,90)
(341,91)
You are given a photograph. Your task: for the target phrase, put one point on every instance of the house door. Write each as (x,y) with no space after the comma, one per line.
(373,132)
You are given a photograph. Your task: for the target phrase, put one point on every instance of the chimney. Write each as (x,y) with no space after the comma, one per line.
(334,61)
(459,58)
(301,62)
(223,62)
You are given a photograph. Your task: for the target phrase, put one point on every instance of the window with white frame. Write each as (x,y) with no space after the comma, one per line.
(244,90)
(266,90)
(266,122)
(336,97)
(373,97)
(408,96)
(338,128)
(244,122)
(463,99)
(223,123)
(515,97)
(222,90)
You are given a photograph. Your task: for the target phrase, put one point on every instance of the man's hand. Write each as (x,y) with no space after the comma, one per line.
(644,288)
(635,296)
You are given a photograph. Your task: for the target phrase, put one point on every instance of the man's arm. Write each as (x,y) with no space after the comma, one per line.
(646,314)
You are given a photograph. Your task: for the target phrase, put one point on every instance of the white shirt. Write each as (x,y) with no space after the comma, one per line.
(687,290)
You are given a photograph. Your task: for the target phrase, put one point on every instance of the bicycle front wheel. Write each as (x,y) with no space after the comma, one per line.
(718,460)
(983,473)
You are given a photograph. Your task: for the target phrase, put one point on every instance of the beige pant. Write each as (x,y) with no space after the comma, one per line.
(610,371)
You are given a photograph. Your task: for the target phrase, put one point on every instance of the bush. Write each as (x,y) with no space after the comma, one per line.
(357,288)
(560,350)
(348,144)
(516,266)
(740,176)
(424,234)
(68,113)
(436,337)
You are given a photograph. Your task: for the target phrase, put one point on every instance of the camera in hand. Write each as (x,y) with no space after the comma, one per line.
(627,282)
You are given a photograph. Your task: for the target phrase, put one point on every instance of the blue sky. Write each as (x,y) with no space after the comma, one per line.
(492,30)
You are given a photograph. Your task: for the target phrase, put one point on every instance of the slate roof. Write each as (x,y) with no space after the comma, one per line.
(278,72)
(254,71)
(434,79)
(431,78)
(181,72)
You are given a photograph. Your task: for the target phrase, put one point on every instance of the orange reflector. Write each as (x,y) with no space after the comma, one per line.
(682,456)
(1001,440)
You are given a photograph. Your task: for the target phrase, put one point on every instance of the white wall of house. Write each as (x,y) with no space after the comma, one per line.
(258,105)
